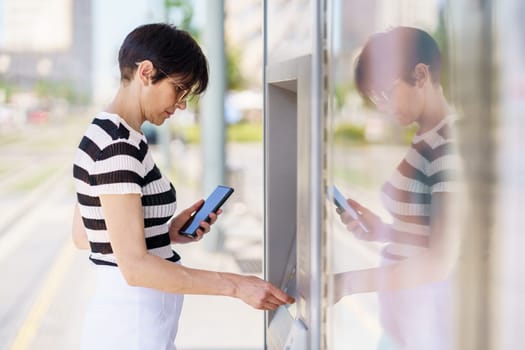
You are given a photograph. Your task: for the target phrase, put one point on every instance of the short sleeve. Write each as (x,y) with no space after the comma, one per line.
(117,170)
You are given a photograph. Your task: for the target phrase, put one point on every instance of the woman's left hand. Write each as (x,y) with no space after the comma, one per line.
(178,221)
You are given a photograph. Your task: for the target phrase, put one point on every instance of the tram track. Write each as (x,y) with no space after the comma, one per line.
(32,166)
(13,213)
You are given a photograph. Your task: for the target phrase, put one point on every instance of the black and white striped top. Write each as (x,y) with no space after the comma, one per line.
(113,158)
(431,165)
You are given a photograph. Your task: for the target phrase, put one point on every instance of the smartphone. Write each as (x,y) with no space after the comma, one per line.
(214,201)
(342,204)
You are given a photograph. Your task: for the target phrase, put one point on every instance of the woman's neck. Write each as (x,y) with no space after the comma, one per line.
(126,105)
(436,110)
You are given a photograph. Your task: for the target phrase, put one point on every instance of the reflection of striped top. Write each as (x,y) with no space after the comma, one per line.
(431,165)
(113,158)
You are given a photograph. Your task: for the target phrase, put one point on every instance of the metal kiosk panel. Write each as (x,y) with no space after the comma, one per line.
(288,201)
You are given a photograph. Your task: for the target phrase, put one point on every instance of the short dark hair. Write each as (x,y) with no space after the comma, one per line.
(394,54)
(171,50)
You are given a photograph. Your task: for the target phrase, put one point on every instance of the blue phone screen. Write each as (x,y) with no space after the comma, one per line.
(212,204)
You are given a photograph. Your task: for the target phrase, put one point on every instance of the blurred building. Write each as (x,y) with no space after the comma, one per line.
(49,42)
(69,45)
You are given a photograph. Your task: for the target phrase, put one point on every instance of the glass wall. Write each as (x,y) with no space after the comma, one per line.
(393,151)
(429,150)
(422,105)
(507,234)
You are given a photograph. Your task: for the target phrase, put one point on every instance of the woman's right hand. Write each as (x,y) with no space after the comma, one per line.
(377,229)
(260,294)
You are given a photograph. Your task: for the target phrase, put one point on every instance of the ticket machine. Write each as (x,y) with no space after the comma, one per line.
(292,251)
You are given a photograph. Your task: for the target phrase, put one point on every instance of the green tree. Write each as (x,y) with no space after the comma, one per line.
(184,12)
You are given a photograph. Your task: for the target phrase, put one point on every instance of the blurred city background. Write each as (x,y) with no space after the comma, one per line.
(58,67)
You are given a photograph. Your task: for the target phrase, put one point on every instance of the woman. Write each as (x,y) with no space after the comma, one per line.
(125,205)
(399,71)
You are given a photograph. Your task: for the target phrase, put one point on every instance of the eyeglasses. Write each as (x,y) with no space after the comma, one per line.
(182,92)
(383,96)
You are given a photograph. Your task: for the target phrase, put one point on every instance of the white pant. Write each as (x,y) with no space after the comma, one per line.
(130,318)
(417,318)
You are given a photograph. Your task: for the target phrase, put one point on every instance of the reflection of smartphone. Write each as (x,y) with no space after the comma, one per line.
(342,204)
(214,201)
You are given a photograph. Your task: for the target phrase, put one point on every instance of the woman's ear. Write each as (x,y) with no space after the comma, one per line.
(145,71)
(421,74)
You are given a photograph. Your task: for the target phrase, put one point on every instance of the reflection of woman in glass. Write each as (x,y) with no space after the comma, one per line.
(399,71)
